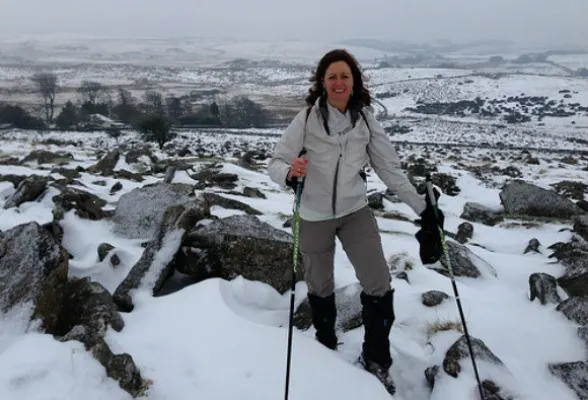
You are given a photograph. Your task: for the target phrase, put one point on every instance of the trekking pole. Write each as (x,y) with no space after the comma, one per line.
(429,184)
(296,224)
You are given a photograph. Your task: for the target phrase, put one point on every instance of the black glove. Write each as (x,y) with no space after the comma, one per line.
(429,237)
(431,221)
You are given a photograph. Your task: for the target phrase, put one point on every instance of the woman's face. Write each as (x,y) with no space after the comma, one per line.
(338,82)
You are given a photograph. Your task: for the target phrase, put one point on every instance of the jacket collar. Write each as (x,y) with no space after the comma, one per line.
(332,117)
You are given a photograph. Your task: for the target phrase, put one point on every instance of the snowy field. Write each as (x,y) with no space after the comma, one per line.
(226,339)
(548,102)
(172,52)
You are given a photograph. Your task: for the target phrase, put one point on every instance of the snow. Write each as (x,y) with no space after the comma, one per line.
(414,73)
(37,367)
(216,354)
(453,88)
(227,339)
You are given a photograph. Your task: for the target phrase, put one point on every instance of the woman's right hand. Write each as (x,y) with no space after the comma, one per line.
(298,168)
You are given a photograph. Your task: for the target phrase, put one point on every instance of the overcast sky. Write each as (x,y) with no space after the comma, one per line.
(564,21)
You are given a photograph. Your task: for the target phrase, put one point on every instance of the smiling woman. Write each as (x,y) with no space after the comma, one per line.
(328,144)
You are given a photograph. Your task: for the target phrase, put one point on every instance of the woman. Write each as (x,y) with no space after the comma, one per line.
(328,144)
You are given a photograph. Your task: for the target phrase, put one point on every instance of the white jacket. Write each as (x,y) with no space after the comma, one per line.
(333,186)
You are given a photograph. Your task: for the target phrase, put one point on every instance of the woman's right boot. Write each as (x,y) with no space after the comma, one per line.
(323,312)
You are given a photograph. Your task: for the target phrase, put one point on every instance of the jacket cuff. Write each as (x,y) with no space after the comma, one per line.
(284,176)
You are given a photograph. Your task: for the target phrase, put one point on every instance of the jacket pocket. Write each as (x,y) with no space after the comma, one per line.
(356,148)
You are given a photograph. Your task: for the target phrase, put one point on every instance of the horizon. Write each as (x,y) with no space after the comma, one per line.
(525,22)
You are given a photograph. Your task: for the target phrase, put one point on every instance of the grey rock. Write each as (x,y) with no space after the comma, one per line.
(446,182)
(33,268)
(476,212)
(47,157)
(533,246)
(214,199)
(460,351)
(28,189)
(253,193)
(574,257)
(90,304)
(156,262)
(574,375)
(170,172)
(120,367)
(433,298)
(583,334)
(575,309)
(14,179)
(116,187)
(430,375)
(403,275)
(139,213)
(583,204)
(524,199)
(210,176)
(465,231)
(106,165)
(70,174)
(571,189)
(581,226)
(243,245)
(86,205)
(463,262)
(543,287)
(103,250)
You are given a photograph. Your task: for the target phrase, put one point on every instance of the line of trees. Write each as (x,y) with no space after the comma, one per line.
(119,104)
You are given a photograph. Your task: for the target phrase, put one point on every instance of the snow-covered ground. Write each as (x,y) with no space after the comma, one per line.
(277,73)
(227,339)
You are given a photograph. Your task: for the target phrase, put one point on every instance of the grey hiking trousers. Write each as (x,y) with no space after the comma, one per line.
(360,238)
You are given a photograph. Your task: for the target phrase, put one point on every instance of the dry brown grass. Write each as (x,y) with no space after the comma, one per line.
(437,326)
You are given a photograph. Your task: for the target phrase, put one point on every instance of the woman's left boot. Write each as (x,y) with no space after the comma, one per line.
(378,317)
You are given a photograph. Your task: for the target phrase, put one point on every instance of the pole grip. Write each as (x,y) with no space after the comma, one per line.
(300,179)
(429,184)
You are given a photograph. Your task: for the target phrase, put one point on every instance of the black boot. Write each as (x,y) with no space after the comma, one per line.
(324,313)
(378,317)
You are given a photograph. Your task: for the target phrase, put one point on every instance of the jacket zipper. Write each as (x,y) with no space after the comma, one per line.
(334,197)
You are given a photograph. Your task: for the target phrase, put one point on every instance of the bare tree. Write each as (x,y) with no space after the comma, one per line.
(125,110)
(156,128)
(90,91)
(47,85)
(125,97)
(175,108)
(154,103)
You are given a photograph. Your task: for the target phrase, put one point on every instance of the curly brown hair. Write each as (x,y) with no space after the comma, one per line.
(361,96)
